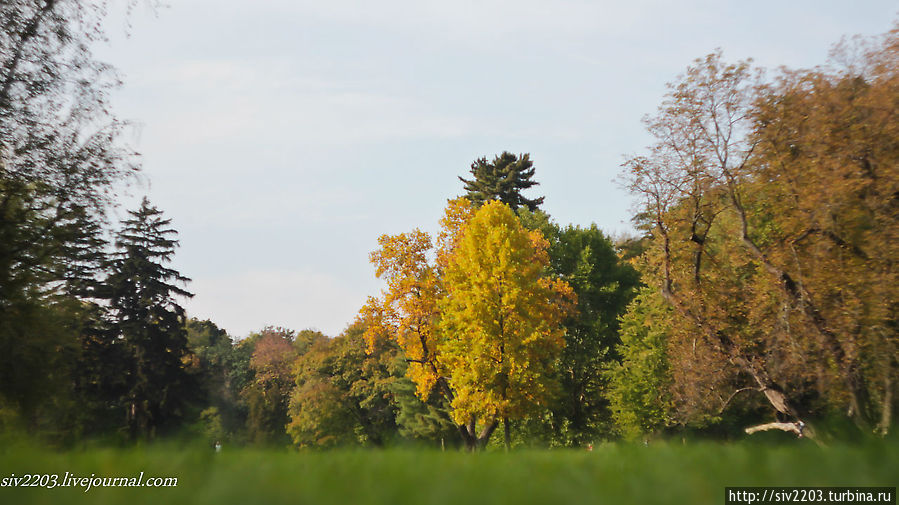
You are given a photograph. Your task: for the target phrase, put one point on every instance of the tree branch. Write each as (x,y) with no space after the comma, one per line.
(796,428)
(734,394)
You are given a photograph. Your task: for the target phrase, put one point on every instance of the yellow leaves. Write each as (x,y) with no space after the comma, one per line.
(500,323)
(456,216)
(400,255)
(374,320)
(407,311)
(484,317)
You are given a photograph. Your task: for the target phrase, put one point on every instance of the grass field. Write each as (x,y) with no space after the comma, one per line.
(695,473)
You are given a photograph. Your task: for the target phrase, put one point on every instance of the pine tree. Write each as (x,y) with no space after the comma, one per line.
(502,179)
(152,326)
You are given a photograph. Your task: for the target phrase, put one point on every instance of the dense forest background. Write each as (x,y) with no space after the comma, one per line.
(759,293)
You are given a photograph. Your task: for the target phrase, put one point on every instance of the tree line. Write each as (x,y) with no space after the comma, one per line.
(759,293)
(505,320)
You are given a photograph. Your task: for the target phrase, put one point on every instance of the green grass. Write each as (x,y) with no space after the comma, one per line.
(696,473)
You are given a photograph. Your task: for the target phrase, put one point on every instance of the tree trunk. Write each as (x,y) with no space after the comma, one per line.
(488,430)
(508,436)
(886,414)
(473,440)
(798,294)
(469,440)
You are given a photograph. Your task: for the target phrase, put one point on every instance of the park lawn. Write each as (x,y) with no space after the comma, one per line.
(696,473)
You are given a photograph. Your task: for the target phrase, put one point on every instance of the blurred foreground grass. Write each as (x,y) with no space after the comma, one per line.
(696,473)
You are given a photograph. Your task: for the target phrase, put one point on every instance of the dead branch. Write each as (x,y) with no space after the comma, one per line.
(731,397)
(791,427)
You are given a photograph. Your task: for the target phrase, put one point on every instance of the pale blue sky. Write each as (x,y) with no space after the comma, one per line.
(284,136)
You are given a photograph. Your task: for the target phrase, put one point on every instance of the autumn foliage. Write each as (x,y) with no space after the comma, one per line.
(773,212)
(481,323)
(501,318)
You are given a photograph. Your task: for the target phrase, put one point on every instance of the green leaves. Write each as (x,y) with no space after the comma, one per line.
(344,395)
(503,179)
(639,385)
(144,311)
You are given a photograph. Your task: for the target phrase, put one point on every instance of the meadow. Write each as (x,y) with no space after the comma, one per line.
(692,473)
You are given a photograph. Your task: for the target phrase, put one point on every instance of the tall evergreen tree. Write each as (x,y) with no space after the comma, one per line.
(141,292)
(502,179)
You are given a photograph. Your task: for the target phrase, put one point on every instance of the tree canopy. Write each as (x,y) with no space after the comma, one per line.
(762,293)
(501,319)
(502,179)
(151,323)
(481,323)
(60,156)
(772,207)
(604,285)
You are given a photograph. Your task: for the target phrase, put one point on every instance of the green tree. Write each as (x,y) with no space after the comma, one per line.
(42,396)
(60,157)
(141,291)
(344,393)
(216,366)
(502,179)
(101,373)
(232,408)
(586,259)
(639,385)
(425,421)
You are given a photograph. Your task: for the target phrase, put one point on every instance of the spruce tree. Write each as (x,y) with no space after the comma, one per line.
(502,179)
(152,325)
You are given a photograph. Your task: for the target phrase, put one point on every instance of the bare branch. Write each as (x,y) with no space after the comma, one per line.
(796,428)
(734,394)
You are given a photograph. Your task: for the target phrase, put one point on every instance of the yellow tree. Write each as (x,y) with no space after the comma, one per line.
(439,313)
(501,320)
(407,311)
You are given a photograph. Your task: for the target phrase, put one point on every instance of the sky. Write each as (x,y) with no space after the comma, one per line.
(283,137)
